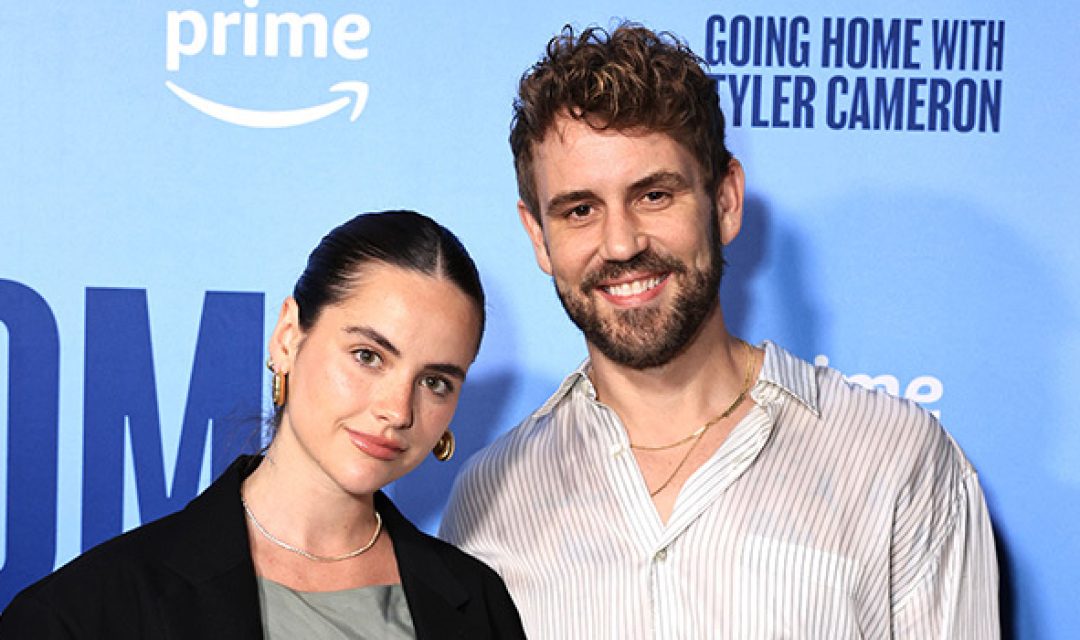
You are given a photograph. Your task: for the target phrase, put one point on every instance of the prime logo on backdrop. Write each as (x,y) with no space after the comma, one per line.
(191,33)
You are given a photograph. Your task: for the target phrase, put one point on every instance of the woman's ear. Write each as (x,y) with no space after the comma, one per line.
(286,336)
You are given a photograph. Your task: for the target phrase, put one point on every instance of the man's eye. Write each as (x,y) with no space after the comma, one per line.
(367,357)
(579,211)
(656,196)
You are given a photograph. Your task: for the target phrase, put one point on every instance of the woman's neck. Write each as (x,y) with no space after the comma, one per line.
(294,499)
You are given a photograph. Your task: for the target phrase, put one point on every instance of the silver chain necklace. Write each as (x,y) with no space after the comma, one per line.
(307,554)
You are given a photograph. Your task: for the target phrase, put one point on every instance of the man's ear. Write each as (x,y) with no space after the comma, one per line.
(729,201)
(286,336)
(536,236)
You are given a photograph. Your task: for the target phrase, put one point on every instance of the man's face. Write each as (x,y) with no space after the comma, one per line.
(630,236)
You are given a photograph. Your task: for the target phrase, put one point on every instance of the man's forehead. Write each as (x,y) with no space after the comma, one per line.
(567,126)
(573,146)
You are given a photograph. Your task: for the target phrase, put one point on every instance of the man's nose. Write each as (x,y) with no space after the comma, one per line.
(623,237)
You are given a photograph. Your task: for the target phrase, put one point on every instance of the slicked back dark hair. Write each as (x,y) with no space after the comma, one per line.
(404,239)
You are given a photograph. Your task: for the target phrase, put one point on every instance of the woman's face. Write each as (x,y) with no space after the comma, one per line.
(373,384)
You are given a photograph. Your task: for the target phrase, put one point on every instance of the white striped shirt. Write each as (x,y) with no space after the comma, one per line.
(830,512)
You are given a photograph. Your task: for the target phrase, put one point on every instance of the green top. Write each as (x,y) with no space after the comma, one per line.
(378,611)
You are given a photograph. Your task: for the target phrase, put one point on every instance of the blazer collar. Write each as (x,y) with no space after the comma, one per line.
(211,552)
(436,597)
(215,557)
(216,541)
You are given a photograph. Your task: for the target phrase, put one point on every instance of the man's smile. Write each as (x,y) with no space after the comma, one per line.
(638,289)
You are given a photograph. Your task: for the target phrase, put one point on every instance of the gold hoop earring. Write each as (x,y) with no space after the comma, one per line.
(444,448)
(277,385)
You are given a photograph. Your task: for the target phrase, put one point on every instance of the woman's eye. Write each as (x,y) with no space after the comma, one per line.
(438,385)
(367,357)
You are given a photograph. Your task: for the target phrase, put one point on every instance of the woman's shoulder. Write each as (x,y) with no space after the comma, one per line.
(146,550)
(93,587)
(127,573)
(130,558)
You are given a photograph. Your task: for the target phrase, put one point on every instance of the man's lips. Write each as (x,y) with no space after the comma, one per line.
(636,290)
(376,446)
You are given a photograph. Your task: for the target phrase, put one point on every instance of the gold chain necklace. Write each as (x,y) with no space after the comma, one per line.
(307,554)
(697,435)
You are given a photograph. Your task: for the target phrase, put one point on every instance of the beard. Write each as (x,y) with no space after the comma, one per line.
(651,337)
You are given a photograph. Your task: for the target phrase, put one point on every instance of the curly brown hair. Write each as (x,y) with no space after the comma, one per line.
(628,79)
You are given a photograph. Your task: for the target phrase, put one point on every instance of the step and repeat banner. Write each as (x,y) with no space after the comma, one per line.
(165,167)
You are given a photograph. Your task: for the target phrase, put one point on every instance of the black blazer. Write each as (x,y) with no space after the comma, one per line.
(190,575)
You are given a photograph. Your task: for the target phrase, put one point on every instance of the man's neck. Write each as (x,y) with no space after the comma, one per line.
(672,399)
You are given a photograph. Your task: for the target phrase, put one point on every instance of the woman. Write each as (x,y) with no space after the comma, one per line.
(368,357)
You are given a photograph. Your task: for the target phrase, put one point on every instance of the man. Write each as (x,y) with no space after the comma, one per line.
(681,483)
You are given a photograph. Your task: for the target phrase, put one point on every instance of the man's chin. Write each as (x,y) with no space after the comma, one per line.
(637,349)
(638,357)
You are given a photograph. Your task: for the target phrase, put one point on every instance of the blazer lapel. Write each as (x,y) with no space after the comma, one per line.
(436,598)
(218,596)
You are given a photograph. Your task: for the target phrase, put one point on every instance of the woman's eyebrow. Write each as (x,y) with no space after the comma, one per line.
(375,336)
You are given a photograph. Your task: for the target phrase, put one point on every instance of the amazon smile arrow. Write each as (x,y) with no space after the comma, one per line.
(279,118)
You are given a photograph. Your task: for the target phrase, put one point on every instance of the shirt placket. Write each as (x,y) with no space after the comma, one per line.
(656,543)
(667,618)
(644,525)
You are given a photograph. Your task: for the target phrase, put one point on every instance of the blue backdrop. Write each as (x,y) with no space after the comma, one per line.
(165,168)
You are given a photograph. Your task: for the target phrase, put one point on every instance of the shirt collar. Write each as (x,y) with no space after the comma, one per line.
(580,375)
(781,371)
(786,373)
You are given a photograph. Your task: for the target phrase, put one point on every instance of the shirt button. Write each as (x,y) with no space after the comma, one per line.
(661,555)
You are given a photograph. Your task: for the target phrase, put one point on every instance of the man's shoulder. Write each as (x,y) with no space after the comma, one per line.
(841,398)
(500,482)
(843,411)
(534,439)
(871,415)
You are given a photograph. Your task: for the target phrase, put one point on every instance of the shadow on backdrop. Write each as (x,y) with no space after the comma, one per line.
(933,284)
(948,288)
(744,257)
(422,494)
(765,292)
(498,394)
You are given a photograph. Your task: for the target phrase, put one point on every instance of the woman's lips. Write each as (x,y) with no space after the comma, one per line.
(376,446)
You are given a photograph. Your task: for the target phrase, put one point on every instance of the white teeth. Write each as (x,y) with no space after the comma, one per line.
(633,288)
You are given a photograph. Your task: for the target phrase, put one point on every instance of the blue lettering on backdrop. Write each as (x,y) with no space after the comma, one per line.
(769,41)
(761,99)
(120,393)
(875,43)
(959,44)
(33,427)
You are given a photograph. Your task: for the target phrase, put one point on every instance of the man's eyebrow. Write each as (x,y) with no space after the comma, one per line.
(668,179)
(562,199)
(376,337)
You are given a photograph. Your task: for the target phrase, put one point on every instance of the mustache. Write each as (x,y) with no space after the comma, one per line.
(647,260)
